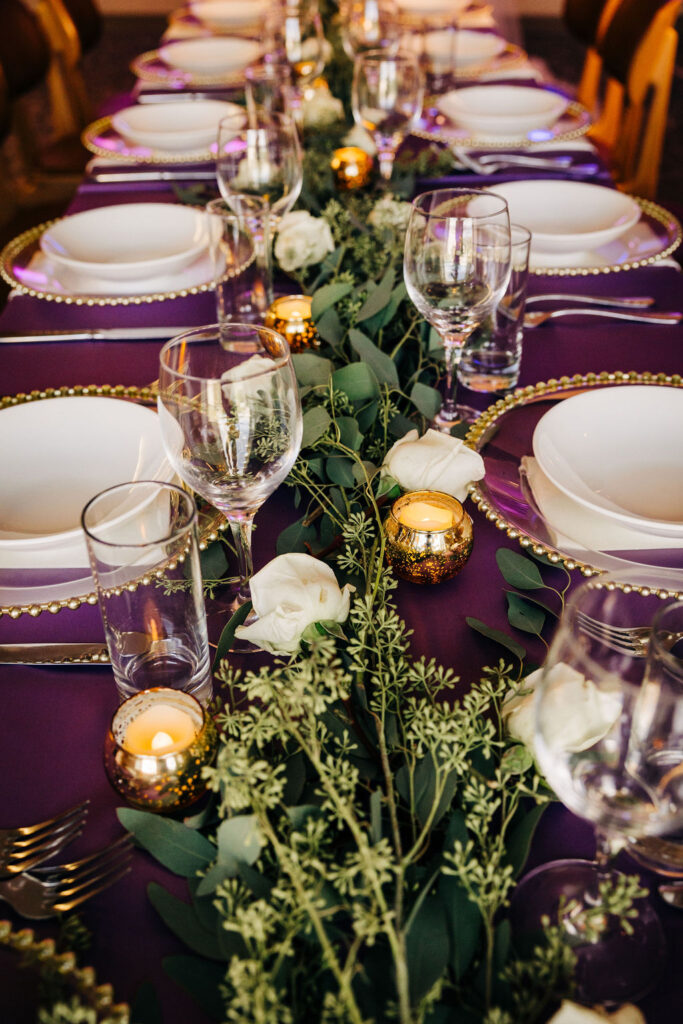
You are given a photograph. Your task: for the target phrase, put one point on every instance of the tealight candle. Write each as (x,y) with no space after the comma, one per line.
(158,742)
(290,315)
(428,537)
(351,167)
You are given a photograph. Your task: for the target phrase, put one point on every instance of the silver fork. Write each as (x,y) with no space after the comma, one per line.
(632,302)
(23,848)
(537,317)
(632,640)
(52,891)
(492,162)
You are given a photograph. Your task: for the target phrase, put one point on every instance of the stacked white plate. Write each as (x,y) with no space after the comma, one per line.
(611,467)
(133,248)
(223,15)
(55,455)
(173,127)
(432,9)
(503,111)
(214,56)
(455,50)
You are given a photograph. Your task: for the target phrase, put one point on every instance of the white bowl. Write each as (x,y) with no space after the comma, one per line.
(128,241)
(432,8)
(454,50)
(179,127)
(211,56)
(512,111)
(227,14)
(616,451)
(58,453)
(568,217)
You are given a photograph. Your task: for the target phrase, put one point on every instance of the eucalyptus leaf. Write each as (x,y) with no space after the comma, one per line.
(203,817)
(427,400)
(349,434)
(520,835)
(202,979)
(516,760)
(316,421)
(299,815)
(295,775)
(330,327)
(518,571)
(295,537)
(182,850)
(227,637)
(357,381)
(383,365)
(183,922)
(214,561)
(258,883)
(216,874)
(508,642)
(340,470)
(367,415)
(311,369)
(464,924)
(239,839)
(398,296)
(363,471)
(537,601)
(523,615)
(400,425)
(427,947)
(379,298)
(326,296)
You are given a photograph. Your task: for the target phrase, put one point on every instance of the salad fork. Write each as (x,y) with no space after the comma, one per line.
(23,848)
(53,891)
(631,640)
(537,317)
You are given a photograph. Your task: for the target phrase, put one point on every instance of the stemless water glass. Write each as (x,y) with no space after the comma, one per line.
(386,96)
(369,25)
(609,739)
(456,268)
(260,172)
(231,421)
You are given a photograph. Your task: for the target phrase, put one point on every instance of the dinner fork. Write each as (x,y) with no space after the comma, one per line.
(535,318)
(52,891)
(23,848)
(493,162)
(630,302)
(631,640)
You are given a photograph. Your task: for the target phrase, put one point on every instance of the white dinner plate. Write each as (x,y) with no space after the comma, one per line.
(568,218)
(177,127)
(227,14)
(432,8)
(211,56)
(455,50)
(513,111)
(127,242)
(617,452)
(57,454)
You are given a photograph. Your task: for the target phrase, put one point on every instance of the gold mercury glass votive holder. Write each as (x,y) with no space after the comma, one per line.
(158,742)
(290,316)
(428,537)
(351,167)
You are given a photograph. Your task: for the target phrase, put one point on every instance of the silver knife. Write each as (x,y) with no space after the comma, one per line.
(96,334)
(54,654)
(104,177)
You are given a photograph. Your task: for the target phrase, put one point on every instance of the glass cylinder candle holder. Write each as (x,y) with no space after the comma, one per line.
(290,316)
(428,537)
(157,744)
(351,167)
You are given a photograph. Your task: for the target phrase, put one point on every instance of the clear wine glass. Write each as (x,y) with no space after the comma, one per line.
(260,172)
(609,740)
(456,268)
(231,422)
(301,42)
(369,25)
(386,96)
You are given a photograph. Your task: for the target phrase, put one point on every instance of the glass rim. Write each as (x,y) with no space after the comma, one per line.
(381,56)
(160,485)
(195,335)
(461,191)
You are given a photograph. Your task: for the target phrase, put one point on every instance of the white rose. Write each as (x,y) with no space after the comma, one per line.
(302,240)
(289,594)
(358,136)
(322,108)
(572,1013)
(576,712)
(435,462)
(390,213)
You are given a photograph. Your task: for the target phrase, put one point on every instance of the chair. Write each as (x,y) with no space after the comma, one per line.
(638,54)
(73,28)
(587,20)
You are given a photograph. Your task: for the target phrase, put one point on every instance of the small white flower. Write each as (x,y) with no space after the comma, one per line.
(576,712)
(289,594)
(302,240)
(390,213)
(322,108)
(435,461)
(358,136)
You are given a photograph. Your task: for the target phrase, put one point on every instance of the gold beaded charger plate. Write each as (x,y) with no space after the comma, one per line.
(29,272)
(150,67)
(437,127)
(34,591)
(102,139)
(503,437)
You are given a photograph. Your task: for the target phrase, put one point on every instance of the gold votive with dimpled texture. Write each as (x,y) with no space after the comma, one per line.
(290,316)
(351,167)
(158,743)
(428,537)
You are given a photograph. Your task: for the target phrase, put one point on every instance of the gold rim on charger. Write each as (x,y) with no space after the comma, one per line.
(486,425)
(146,68)
(211,522)
(574,110)
(154,156)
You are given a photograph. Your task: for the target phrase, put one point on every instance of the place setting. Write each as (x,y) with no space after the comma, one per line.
(215,60)
(216,17)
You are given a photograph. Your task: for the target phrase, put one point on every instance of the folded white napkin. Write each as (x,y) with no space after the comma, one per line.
(574,528)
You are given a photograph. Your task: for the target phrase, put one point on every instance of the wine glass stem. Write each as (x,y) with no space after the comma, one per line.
(263,285)
(604,854)
(453,343)
(240,527)
(386,163)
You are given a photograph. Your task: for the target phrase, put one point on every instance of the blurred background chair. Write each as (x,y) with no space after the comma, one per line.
(587,20)
(73,28)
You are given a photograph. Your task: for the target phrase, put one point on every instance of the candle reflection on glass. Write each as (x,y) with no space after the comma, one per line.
(428,537)
(157,745)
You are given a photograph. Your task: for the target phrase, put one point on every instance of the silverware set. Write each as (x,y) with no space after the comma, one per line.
(630,640)
(38,892)
(633,308)
(490,163)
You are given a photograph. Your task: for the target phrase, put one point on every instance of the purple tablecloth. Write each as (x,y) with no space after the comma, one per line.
(54,719)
